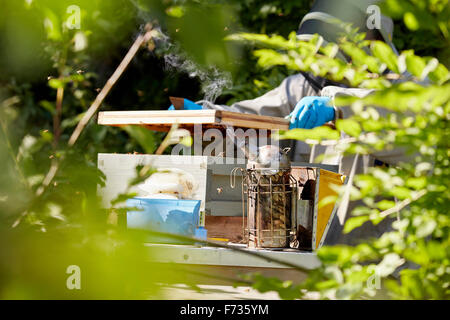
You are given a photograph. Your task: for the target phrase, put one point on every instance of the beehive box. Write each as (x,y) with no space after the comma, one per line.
(221,203)
(211,174)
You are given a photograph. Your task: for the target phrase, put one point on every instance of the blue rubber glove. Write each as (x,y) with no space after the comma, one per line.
(188,105)
(311,112)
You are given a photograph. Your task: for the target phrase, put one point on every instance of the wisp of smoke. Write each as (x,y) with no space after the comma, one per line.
(212,79)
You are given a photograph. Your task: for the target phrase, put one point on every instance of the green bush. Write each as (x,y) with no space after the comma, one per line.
(412,260)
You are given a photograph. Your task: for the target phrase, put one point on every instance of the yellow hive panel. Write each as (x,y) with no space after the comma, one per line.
(326,180)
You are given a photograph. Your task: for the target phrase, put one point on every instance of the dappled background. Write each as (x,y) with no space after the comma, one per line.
(49,76)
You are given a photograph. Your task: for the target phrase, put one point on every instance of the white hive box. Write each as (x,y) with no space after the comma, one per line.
(213,179)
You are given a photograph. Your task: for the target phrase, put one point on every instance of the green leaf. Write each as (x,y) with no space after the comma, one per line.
(416,183)
(122,198)
(186,141)
(46,136)
(401,192)
(349,126)
(330,50)
(385,204)
(52,25)
(269,57)
(411,284)
(327,284)
(414,64)
(440,74)
(383,52)
(411,21)
(371,125)
(56,83)
(275,42)
(361,58)
(316,134)
(355,222)
(176,11)
(331,199)
(361,210)
(335,254)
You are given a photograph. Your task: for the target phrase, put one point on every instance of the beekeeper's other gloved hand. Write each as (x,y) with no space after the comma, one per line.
(311,112)
(188,105)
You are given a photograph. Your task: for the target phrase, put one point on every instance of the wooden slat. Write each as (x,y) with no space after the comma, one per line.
(160,120)
(157,117)
(246,120)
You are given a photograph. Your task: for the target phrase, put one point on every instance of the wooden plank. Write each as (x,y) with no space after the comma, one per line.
(157,117)
(224,228)
(161,119)
(254,121)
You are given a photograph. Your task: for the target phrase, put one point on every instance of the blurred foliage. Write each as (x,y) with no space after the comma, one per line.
(421,25)
(412,261)
(50,74)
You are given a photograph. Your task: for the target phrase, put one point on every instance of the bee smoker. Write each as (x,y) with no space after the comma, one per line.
(269,200)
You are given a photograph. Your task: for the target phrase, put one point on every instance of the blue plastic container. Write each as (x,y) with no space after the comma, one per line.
(164,215)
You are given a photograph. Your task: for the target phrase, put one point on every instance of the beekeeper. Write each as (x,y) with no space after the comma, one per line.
(308,101)
(306,98)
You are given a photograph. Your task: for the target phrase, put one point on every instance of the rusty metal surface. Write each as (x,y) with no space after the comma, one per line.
(269,209)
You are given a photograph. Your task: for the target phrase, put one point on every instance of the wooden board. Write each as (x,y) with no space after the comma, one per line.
(226,228)
(162,120)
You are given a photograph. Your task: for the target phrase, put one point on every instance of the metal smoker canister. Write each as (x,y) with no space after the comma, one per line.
(270,192)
